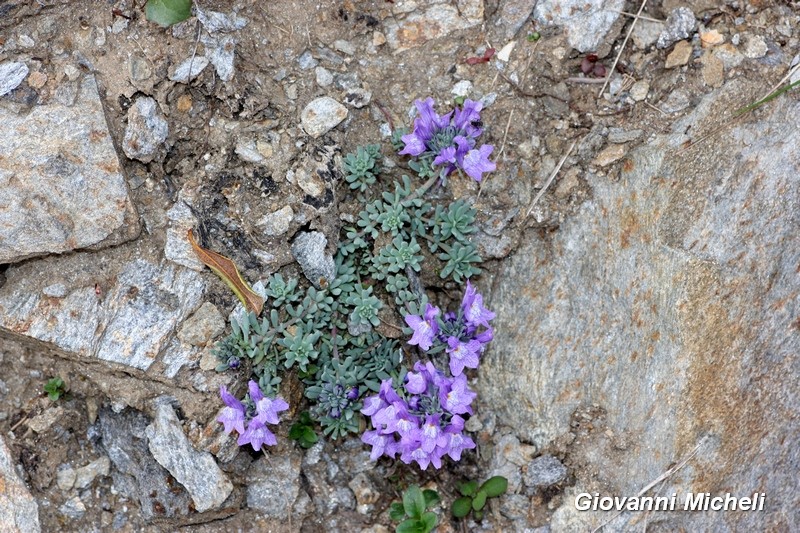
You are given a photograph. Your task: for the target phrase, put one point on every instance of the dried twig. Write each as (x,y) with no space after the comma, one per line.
(621,48)
(634,15)
(550,178)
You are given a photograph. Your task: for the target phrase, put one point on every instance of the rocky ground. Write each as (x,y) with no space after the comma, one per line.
(119,136)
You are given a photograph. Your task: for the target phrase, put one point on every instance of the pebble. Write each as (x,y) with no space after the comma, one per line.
(277,223)
(310,182)
(182,74)
(646,32)
(72,72)
(680,25)
(344,47)
(65,477)
(639,90)
(306,61)
(678,100)
(365,492)
(545,471)
(37,79)
(322,115)
(357,97)
(247,150)
(139,68)
(755,47)
(25,41)
(713,71)
(609,154)
(317,263)
(146,131)
(462,89)
(378,38)
(205,325)
(324,76)
(86,474)
(184,103)
(220,50)
(729,55)
(11,75)
(585,22)
(214,21)
(73,508)
(619,135)
(42,422)
(711,38)
(680,55)
(273,483)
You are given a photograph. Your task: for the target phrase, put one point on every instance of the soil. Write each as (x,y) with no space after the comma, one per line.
(535,116)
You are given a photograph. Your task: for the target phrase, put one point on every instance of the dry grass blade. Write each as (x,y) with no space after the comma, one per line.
(227,271)
(666,475)
(551,177)
(621,48)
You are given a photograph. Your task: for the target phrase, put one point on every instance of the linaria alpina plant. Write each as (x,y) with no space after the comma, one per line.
(257,411)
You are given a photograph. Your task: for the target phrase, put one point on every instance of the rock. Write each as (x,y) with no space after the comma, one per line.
(324,76)
(18,509)
(711,38)
(462,89)
(86,474)
(512,15)
(197,471)
(646,32)
(344,47)
(639,90)
(273,483)
(713,71)
(278,222)
(11,75)
(585,22)
(306,61)
(677,100)
(618,135)
(139,68)
(37,79)
(65,477)
(146,130)
(729,55)
(72,72)
(220,50)
(309,182)
(515,506)
(378,38)
(754,47)
(177,247)
(56,290)
(322,115)
(680,55)
(189,69)
(437,19)
(646,303)
(247,150)
(545,471)
(680,25)
(357,98)
(365,493)
(214,21)
(25,41)
(73,508)
(130,322)
(610,154)
(317,263)
(42,422)
(58,158)
(136,473)
(205,325)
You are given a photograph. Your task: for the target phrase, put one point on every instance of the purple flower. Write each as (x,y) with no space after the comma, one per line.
(416,383)
(472,305)
(462,354)
(257,435)
(425,328)
(267,409)
(456,396)
(381,444)
(430,434)
(450,140)
(232,416)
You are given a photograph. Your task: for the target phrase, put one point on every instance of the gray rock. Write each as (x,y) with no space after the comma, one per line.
(278,222)
(139,68)
(59,159)
(317,263)
(322,115)
(220,50)
(619,135)
(177,247)
(18,509)
(585,22)
(646,32)
(432,21)
(56,290)
(11,75)
(247,150)
(545,471)
(365,492)
(306,61)
(189,69)
(680,25)
(515,506)
(73,508)
(44,421)
(273,483)
(344,47)
(86,474)
(214,21)
(205,325)
(676,101)
(146,130)
(678,310)
(512,15)
(65,477)
(197,471)
(136,473)
(130,322)
(324,76)
(755,47)
(462,89)
(357,97)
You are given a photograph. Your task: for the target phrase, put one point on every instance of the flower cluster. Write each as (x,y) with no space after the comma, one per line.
(450,140)
(256,411)
(463,334)
(422,419)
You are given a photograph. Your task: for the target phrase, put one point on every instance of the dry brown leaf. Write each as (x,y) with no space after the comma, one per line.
(227,271)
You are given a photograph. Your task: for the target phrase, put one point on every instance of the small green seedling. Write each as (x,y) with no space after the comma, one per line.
(414,511)
(303,431)
(54,388)
(474,498)
(168,12)
(534,36)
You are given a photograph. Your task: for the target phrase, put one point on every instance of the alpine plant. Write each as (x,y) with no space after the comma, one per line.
(256,411)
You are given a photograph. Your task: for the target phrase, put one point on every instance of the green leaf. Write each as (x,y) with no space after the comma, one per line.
(431,498)
(410,526)
(495,486)
(396,512)
(429,521)
(461,507)
(414,502)
(168,12)
(480,500)
(468,488)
